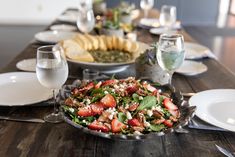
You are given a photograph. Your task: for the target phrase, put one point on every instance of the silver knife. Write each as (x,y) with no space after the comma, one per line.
(22,119)
(224,151)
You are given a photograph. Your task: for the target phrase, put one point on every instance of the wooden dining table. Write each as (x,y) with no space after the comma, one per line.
(20,139)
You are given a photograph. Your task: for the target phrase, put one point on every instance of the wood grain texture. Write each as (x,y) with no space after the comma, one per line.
(52,140)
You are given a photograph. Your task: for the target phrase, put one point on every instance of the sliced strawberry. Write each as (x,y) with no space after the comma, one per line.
(98,85)
(95,125)
(87,87)
(75,91)
(174,113)
(108,101)
(69,101)
(97,108)
(133,107)
(134,122)
(85,111)
(151,88)
(109,82)
(131,89)
(169,105)
(117,126)
(168,123)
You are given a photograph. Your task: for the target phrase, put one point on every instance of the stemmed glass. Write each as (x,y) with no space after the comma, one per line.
(86,18)
(146,5)
(167,16)
(170,53)
(52,72)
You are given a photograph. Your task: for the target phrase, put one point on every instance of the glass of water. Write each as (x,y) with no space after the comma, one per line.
(167,16)
(52,72)
(170,53)
(146,5)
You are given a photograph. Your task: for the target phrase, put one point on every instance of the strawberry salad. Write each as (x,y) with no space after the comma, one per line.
(126,106)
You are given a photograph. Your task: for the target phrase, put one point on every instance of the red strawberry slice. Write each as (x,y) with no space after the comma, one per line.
(98,85)
(109,82)
(169,105)
(174,113)
(131,89)
(151,88)
(95,125)
(168,123)
(134,122)
(108,101)
(97,108)
(117,126)
(85,111)
(75,91)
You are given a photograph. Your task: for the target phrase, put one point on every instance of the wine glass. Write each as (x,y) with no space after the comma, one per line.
(86,20)
(170,53)
(167,16)
(52,72)
(146,5)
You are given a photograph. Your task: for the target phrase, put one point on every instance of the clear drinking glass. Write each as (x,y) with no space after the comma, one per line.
(167,16)
(146,5)
(89,74)
(170,53)
(52,72)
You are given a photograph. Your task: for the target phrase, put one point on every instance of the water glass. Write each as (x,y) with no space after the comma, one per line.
(170,53)
(167,16)
(86,20)
(52,72)
(146,5)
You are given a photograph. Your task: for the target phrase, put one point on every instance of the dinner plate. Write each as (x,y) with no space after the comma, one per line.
(63,27)
(216,107)
(27,64)
(149,23)
(161,30)
(21,88)
(53,36)
(109,68)
(195,51)
(191,68)
(68,17)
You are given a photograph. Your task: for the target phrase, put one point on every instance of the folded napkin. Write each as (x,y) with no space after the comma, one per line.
(197,123)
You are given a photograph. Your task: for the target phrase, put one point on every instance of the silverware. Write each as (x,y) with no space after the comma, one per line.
(224,151)
(22,119)
(188,94)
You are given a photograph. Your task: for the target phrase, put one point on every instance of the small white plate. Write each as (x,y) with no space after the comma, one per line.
(161,30)
(27,64)
(21,88)
(149,22)
(216,107)
(68,17)
(53,36)
(191,68)
(63,27)
(195,51)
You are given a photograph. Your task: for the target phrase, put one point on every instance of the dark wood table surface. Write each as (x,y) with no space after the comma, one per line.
(45,139)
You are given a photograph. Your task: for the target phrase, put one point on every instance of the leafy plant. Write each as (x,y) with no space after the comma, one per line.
(149,56)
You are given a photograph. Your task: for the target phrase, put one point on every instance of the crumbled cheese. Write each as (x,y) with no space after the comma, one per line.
(146,124)
(71,109)
(113,90)
(149,113)
(127,106)
(137,133)
(128,115)
(116,86)
(106,92)
(141,98)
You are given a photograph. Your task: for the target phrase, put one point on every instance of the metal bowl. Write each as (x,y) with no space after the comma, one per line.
(187,112)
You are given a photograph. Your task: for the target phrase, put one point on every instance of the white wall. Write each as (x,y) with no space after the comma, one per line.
(32,11)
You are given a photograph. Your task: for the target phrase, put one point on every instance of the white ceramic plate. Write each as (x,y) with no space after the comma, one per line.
(191,68)
(21,88)
(68,17)
(53,36)
(195,51)
(216,107)
(109,67)
(63,27)
(27,64)
(161,30)
(149,22)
